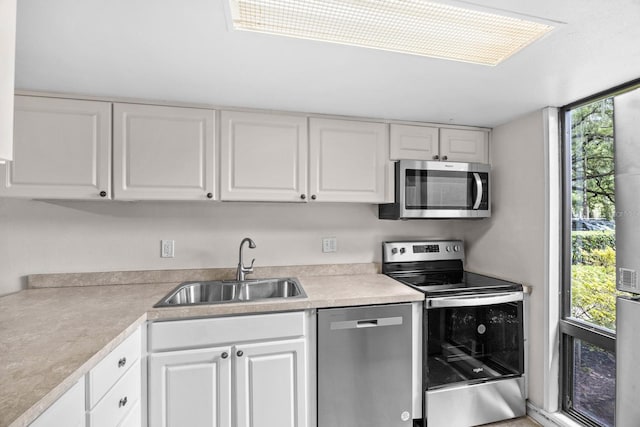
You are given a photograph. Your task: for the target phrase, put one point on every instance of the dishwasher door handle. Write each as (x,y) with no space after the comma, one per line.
(366,323)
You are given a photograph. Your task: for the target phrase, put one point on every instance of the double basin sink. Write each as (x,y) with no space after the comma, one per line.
(230,291)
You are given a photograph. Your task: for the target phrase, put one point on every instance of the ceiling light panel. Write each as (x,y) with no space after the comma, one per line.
(408,26)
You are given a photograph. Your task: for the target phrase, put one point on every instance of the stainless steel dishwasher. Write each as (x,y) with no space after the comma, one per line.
(364,366)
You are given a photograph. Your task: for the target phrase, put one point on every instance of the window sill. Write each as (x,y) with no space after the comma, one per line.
(554,419)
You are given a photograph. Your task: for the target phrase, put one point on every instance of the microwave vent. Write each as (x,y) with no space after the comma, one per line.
(628,279)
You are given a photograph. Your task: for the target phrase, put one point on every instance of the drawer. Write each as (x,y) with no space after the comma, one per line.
(194,333)
(67,411)
(112,367)
(119,401)
(133,418)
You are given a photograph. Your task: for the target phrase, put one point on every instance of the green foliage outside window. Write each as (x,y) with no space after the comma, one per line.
(593,275)
(592,163)
(593,290)
(583,242)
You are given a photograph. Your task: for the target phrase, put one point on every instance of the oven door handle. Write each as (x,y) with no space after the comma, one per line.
(479,190)
(473,301)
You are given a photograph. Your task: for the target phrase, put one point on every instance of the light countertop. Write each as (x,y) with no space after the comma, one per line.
(51,337)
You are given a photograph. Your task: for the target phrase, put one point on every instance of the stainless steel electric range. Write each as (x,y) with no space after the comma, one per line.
(473,342)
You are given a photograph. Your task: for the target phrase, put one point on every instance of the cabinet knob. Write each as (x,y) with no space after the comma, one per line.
(303,196)
(122,402)
(444,157)
(103,194)
(239,353)
(436,157)
(122,362)
(224,355)
(209,195)
(313,197)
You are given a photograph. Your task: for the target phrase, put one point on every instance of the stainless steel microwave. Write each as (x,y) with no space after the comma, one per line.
(426,189)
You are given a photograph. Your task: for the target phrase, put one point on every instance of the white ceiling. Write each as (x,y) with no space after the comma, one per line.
(182,50)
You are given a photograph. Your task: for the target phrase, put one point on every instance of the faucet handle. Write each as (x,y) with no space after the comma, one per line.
(251,266)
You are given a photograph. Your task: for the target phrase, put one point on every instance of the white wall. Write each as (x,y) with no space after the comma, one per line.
(42,237)
(511,244)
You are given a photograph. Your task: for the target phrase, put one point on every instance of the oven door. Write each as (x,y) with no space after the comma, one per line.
(443,189)
(473,339)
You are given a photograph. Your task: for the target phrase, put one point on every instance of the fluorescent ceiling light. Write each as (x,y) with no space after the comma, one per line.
(409,26)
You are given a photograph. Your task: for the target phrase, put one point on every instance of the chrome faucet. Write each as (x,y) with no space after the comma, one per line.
(242,270)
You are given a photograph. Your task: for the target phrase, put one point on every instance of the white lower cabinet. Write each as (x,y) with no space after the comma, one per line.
(134,417)
(107,396)
(258,380)
(115,406)
(270,383)
(67,411)
(190,388)
(114,386)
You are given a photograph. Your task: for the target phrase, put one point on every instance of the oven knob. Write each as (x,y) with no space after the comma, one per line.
(394,251)
(456,248)
(402,250)
(448,248)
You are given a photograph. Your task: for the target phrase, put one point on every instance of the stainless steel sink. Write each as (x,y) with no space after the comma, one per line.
(222,291)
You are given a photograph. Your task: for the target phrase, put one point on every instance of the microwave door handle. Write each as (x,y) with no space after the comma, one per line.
(479,191)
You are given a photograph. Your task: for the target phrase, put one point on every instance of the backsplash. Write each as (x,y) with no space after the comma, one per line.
(70,237)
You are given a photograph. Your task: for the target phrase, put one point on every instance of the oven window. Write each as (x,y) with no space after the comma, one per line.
(472,344)
(438,189)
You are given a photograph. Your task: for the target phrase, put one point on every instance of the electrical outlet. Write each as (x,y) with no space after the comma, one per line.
(329,244)
(167,248)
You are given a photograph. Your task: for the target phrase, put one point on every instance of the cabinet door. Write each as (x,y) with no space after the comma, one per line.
(190,388)
(7,75)
(62,150)
(271,384)
(460,145)
(163,153)
(263,157)
(67,411)
(413,142)
(349,161)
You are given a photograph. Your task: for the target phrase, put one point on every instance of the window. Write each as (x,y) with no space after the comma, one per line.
(588,319)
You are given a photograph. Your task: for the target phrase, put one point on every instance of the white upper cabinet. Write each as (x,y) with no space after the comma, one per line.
(349,161)
(413,142)
(62,150)
(461,145)
(263,157)
(7,75)
(163,153)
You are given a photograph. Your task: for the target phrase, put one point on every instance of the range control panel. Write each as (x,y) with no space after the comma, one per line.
(422,250)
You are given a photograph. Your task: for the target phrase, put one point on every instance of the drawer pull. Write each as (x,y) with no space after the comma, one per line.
(122,402)
(122,362)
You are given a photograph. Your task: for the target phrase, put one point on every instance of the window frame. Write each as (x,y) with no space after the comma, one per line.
(570,328)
